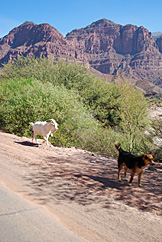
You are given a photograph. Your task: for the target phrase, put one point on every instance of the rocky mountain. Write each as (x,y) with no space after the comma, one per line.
(110,49)
(127,50)
(31,39)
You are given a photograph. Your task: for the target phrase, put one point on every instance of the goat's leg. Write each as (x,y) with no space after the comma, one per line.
(34,137)
(45,139)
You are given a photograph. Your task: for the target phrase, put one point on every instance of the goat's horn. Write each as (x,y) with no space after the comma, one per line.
(52,120)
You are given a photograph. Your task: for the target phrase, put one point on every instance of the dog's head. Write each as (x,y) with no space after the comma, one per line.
(148,159)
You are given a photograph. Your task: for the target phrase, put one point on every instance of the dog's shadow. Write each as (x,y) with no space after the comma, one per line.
(105,181)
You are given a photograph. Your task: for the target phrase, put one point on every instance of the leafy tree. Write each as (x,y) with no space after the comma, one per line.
(134,119)
(103,99)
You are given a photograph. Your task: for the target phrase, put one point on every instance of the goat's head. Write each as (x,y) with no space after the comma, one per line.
(55,125)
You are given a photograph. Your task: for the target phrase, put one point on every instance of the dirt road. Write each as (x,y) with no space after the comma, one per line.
(82,191)
(24,221)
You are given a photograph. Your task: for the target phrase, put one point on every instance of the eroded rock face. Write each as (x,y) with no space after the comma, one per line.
(104,34)
(31,39)
(107,47)
(114,49)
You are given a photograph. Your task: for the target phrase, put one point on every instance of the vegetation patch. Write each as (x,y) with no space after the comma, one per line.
(92,114)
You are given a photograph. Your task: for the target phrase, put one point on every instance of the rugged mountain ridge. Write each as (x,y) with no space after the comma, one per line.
(111,49)
(126,50)
(31,39)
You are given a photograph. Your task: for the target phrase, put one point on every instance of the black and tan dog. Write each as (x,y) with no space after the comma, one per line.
(136,164)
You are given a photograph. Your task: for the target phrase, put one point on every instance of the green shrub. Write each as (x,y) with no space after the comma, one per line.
(23,101)
(134,121)
(100,96)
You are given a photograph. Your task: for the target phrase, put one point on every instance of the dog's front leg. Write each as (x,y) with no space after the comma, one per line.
(139,178)
(131,176)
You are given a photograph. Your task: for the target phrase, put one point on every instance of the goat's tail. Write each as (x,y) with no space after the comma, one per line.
(117,146)
(31,124)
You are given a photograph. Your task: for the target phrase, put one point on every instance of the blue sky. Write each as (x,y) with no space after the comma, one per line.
(66,15)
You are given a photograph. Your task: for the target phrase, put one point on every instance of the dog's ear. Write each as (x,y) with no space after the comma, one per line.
(144,157)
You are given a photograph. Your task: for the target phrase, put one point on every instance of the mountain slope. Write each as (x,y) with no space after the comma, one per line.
(108,48)
(114,49)
(31,39)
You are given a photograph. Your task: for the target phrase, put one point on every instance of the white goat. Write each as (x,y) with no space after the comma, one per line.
(44,128)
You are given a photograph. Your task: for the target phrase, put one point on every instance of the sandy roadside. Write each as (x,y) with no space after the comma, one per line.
(82,190)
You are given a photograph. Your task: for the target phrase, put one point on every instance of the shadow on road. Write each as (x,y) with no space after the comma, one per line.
(84,182)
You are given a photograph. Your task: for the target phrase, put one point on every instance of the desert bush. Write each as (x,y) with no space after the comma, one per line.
(103,99)
(38,68)
(134,121)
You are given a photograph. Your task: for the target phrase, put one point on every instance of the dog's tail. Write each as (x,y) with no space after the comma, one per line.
(117,146)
